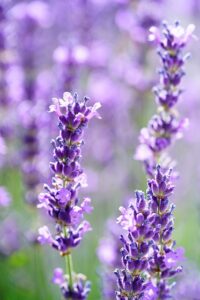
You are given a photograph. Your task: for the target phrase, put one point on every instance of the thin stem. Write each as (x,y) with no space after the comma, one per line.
(69,266)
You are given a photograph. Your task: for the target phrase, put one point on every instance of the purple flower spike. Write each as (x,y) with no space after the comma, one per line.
(148,256)
(164,259)
(60,200)
(80,289)
(133,282)
(165,127)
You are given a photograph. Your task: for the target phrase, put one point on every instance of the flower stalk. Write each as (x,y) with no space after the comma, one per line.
(165,126)
(61,199)
(149,276)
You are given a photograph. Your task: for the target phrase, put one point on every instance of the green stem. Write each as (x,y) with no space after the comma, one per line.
(69,267)
(69,264)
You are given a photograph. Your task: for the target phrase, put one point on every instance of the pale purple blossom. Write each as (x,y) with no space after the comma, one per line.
(5,198)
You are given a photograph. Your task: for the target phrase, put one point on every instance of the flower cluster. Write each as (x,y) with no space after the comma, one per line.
(137,220)
(148,255)
(131,69)
(165,126)
(61,199)
(163,262)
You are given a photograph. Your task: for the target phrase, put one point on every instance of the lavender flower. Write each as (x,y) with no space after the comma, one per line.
(148,255)
(133,280)
(130,68)
(61,200)
(164,259)
(165,126)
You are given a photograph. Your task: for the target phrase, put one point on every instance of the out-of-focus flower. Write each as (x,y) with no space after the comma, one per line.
(188,287)
(58,276)
(30,19)
(5,198)
(69,61)
(109,255)
(10,236)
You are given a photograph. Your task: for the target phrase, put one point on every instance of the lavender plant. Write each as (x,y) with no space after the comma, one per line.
(165,126)
(61,199)
(134,19)
(161,260)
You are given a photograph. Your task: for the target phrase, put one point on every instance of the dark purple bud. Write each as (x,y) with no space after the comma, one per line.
(155,188)
(133,251)
(166,236)
(156,237)
(144,248)
(149,234)
(59,153)
(52,166)
(139,218)
(135,233)
(63,119)
(67,170)
(77,108)
(58,167)
(76,135)
(65,134)
(163,205)
(162,187)
(140,200)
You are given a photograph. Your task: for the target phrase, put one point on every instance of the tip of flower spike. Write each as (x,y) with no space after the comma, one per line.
(68,98)
(180,34)
(86,98)
(59,104)
(175,32)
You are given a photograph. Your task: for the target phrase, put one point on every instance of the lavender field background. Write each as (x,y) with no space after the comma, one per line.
(100,49)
